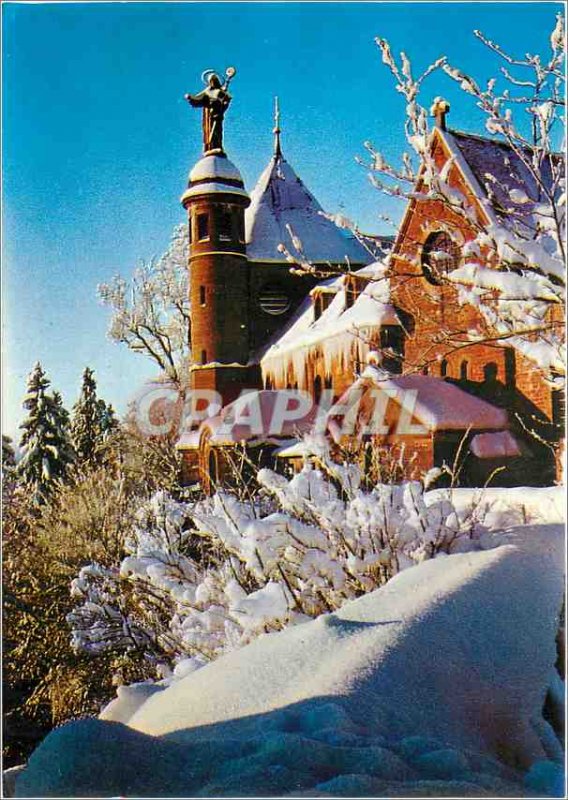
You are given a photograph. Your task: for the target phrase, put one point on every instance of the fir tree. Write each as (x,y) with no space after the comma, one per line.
(8,467)
(8,454)
(46,450)
(93,421)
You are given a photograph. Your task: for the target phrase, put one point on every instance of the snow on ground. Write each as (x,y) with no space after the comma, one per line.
(430,686)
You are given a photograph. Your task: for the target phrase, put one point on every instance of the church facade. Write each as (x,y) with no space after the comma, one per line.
(261,326)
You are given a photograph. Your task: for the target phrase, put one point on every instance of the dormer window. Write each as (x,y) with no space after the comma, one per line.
(440,255)
(350,292)
(318,307)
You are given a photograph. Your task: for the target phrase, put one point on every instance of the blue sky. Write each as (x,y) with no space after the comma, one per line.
(98,140)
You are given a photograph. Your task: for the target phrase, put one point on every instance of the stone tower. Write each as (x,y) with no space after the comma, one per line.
(215,201)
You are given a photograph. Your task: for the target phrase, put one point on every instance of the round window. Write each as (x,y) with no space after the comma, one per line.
(274,300)
(440,255)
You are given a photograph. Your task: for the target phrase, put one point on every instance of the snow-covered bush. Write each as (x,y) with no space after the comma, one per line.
(199,579)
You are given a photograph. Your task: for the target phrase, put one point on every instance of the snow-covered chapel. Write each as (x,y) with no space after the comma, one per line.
(263,324)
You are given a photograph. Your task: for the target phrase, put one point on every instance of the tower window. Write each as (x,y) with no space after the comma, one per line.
(464,368)
(440,255)
(202,226)
(241,228)
(204,356)
(202,295)
(225,224)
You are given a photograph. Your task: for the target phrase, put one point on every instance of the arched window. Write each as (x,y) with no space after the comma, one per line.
(440,255)
(444,368)
(202,295)
(490,372)
(464,369)
(204,356)
(317,388)
(212,465)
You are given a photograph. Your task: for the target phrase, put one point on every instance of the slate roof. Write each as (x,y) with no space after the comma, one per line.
(502,175)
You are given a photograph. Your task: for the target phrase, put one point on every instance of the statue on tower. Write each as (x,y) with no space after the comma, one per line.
(214,100)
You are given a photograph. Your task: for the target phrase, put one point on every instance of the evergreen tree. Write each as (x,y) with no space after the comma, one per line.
(46,450)
(8,454)
(93,421)
(8,467)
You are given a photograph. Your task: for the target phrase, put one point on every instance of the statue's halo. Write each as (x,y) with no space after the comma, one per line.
(206,74)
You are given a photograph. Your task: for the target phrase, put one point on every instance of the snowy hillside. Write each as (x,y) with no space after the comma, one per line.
(430,686)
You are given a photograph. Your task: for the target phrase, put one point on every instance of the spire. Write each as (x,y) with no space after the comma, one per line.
(276,130)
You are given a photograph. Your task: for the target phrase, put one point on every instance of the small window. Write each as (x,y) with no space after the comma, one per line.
(464,369)
(425,370)
(490,372)
(327,382)
(558,398)
(350,293)
(318,307)
(202,226)
(510,368)
(202,296)
(392,347)
(440,255)
(241,227)
(225,225)
(204,356)
(444,368)
(317,388)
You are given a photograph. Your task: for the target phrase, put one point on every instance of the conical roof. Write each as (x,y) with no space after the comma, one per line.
(281,205)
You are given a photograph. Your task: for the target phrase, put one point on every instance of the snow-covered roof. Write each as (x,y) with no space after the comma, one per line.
(262,416)
(370,309)
(214,174)
(280,204)
(213,168)
(497,444)
(439,405)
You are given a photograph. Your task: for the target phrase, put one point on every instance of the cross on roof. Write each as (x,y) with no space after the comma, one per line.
(440,108)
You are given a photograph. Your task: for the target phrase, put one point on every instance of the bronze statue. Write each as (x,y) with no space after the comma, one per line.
(214,100)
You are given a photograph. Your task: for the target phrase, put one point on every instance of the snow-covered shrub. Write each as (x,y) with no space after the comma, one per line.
(200,579)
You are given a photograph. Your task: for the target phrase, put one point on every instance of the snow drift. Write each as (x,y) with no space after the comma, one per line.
(431,685)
